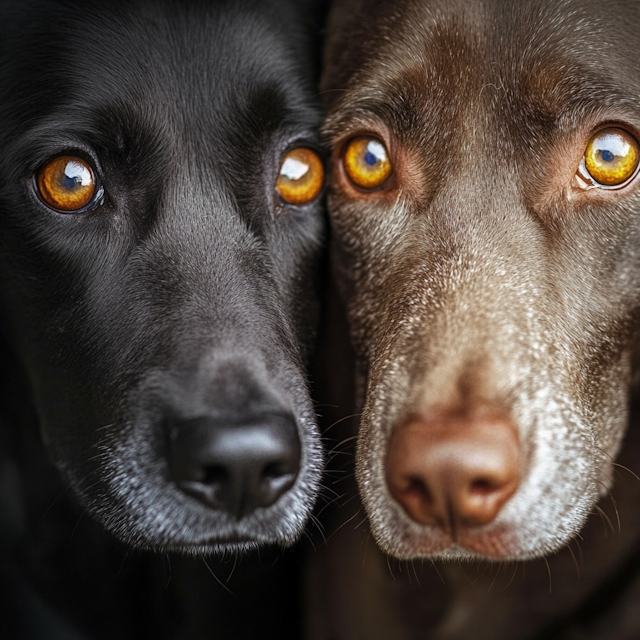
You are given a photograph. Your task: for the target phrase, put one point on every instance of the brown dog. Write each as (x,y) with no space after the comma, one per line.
(486,209)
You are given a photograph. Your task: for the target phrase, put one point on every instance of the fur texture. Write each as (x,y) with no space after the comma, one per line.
(189,290)
(482,276)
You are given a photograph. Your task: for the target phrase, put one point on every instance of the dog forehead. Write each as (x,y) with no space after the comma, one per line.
(424,68)
(194,65)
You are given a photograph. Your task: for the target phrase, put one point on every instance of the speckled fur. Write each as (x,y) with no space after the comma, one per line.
(191,290)
(485,279)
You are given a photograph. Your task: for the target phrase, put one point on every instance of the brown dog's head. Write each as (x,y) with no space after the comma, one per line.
(486,209)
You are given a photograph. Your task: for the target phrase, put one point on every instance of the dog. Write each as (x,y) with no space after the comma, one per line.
(485,202)
(162,233)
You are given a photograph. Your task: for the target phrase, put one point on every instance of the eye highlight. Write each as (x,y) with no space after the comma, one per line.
(301,176)
(66,183)
(611,157)
(366,162)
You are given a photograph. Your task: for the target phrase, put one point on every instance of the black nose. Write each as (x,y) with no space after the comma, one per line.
(236,467)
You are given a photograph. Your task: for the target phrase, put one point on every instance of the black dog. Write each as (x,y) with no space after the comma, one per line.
(158,270)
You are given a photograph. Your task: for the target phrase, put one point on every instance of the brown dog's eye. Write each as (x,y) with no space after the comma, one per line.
(367,163)
(611,157)
(301,176)
(66,183)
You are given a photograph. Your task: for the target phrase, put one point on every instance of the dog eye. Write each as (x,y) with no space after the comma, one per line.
(611,157)
(301,176)
(66,183)
(366,162)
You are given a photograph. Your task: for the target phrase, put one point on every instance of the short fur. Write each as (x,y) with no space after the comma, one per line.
(483,277)
(192,288)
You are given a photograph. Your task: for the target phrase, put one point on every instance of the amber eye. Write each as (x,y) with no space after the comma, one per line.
(611,157)
(366,162)
(66,183)
(301,176)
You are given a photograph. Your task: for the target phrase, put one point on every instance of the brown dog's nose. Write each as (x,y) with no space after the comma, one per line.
(455,473)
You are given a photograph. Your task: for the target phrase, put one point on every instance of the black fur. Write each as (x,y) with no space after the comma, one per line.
(189,289)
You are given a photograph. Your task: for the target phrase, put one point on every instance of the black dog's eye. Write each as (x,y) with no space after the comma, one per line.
(611,157)
(366,162)
(66,183)
(301,176)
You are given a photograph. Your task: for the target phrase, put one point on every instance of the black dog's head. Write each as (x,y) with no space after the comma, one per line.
(157,286)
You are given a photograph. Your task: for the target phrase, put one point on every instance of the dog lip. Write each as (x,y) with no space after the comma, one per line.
(491,545)
(226,541)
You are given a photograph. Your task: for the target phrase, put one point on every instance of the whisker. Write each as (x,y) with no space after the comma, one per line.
(224,586)
(549,571)
(235,561)
(324,489)
(615,507)
(355,515)
(77,523)
(336,500)
(433,564)
(333,454)
(495,577)
(513,575)
(332,472)
(351,475)
(320,527)
(126,555)
(275,560)
(353,415)
(617,464)
(345,441)
(605,518)
(166,557)
(621,466)
(415,573)
(575,561)
(580,549)
(51,505)
(366,550)
(106,426)
(308,537)
(389,566)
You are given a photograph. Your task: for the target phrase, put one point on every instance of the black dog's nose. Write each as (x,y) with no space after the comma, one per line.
(236,467)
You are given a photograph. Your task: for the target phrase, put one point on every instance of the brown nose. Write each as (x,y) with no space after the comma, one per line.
(454,473)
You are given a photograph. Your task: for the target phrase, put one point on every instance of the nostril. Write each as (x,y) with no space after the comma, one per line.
(417,487)
(275,470)
(215,475)
(414,495)
(482,487)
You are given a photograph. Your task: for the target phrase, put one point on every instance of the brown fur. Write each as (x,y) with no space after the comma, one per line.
(481,277)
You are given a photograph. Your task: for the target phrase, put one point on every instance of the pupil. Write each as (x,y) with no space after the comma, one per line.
(370,159)
(607,155)
(71,182)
